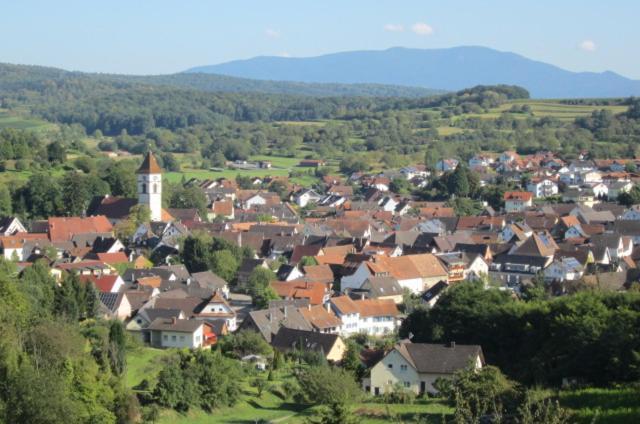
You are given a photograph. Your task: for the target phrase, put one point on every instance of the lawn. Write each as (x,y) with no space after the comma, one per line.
(13,120)
(143,363)
(603,406)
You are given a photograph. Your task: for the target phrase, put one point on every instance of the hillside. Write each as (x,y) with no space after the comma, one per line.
(20,76)
(444,69)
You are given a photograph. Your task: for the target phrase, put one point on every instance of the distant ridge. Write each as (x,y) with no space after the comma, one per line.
(12,76)
(447,69)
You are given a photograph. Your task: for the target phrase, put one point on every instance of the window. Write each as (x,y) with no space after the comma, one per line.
(173,338)
(155,188)
(407,384)
(403,367)
(390,366)
(144,188)
(181,338)
(165,337)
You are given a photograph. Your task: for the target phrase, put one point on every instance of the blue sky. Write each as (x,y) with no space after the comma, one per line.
(162,36)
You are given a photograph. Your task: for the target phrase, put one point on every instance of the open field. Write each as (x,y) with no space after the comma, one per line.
(12,120)
(603,406)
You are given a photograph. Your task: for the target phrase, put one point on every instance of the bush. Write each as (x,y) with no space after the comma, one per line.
(399,395)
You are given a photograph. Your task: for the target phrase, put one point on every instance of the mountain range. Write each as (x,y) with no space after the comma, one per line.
(448,69)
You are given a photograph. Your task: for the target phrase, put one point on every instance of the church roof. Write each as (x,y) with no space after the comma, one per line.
(149,165)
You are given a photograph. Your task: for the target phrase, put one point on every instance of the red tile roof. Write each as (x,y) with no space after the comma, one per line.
(63,229)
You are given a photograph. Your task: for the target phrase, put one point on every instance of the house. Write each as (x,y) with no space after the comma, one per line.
(564,269)
(374,317)
(267,322)
(311,163)
(65,228)
(414,272)
(517,201)
(382,288)
(112,283)
(542,187)
(137,325)
(462,266)
(10,225)
(416,366)
(445,165)
(216,308)
(221,209)
(115,305)
(331,346)
(430,297)
(508,157)
(305,197)
(616,188)
(480,161)
(181,333)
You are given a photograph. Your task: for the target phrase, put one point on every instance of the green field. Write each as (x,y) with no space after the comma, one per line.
(603,406)
(13,120)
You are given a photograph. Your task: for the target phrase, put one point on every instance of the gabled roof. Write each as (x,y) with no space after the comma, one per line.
(63,229)
(149,165)
(177,325)
(320,318)
(439,359)
(289,339)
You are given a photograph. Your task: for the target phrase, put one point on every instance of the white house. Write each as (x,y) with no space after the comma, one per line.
(564,269)
(307,196)
(616,188)
(388,204)
(181,333)
(480,160)
(11,225)
(517,201)
(413,272)
(416,366)
(542,187)
(374,317)
(217,308)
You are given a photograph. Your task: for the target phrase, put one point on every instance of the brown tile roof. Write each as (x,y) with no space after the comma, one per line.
(320,318)
(345,305)
(113,258)
(518,195)
(377,307)
(301,289)
(149,165)
(319,273)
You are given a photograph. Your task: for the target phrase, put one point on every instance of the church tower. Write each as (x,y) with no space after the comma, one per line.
(150,186)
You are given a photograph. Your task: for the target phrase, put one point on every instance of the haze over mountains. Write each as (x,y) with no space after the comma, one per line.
(442,69)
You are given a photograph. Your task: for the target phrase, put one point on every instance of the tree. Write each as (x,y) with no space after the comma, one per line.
(117,347)
(121,178)
(632,197)
(42,196)
(224,264)
(56,153)
(6,207)
(259,286)
(189,197)
(75,193)
(243,343)
(327,385)
(139,214)
(351,361)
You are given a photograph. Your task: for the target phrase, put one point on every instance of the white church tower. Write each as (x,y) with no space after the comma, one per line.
(150,186)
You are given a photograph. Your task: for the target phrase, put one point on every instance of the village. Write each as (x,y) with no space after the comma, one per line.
(347,258)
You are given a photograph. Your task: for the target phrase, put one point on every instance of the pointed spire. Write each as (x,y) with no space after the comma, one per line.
(149,165)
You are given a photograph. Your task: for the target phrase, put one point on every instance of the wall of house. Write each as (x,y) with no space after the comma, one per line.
(416,285)
(383,378)
(180,339)
(337,352)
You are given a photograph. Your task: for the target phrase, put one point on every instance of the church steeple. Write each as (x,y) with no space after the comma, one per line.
(150,186)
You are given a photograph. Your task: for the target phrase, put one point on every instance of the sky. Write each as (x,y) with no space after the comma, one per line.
(166,36)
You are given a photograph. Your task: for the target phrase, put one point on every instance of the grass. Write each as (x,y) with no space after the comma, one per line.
(13,120)
(144,363)
(603,406)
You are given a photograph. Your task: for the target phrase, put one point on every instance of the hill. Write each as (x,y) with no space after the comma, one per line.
(448,69)
(13,76)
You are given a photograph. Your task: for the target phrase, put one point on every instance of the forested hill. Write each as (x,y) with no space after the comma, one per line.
(15,76)
(448,69)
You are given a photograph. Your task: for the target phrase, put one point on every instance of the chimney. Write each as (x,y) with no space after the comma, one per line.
(173,320)
(329,307)
(362,296)
(309,306)
(452,345)
(285,311)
